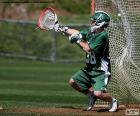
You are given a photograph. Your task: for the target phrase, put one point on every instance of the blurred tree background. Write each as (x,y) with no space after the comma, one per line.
(30,10)
(23,38)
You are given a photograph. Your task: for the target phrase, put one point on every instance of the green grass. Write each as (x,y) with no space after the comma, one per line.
(40,84)
(25,83)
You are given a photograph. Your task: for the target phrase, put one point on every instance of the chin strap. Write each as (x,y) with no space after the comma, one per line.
(96,27)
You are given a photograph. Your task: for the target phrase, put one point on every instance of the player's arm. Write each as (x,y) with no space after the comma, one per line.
(78,39)
(85,46)
(65,30)
(72,32)
(74,36)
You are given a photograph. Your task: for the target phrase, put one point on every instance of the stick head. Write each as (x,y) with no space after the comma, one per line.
(47,19)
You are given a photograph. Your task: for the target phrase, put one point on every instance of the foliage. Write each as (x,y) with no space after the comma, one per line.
(75,6)
(25,39)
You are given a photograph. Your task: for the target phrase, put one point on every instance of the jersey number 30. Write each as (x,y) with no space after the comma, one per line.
(90,58)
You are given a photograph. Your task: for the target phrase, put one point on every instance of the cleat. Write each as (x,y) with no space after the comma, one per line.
(91,101)
(113,105)
(89,108)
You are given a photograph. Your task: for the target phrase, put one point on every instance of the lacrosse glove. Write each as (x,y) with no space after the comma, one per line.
(60,28)
(76,38)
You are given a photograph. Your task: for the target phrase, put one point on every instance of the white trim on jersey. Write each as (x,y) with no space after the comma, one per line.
(104,67)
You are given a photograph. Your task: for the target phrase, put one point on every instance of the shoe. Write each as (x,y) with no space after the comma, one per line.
(91,101)
(113,105)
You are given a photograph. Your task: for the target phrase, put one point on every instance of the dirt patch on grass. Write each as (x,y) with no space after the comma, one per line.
(97,111)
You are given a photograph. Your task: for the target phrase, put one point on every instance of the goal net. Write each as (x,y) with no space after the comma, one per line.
(124,38)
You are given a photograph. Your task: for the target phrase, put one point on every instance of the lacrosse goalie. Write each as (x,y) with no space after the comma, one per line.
(96,73)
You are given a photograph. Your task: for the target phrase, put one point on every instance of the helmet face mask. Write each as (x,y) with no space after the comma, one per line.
(100,19)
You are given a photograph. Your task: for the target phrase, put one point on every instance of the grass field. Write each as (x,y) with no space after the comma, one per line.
(37,84)
(25,83)
(30,85)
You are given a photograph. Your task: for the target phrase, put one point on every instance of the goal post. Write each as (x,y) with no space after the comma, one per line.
(124,38)
(92,7)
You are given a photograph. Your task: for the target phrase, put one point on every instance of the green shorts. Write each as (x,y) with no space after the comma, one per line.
(97,79)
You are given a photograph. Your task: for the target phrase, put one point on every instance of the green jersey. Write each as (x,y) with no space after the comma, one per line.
(99,45)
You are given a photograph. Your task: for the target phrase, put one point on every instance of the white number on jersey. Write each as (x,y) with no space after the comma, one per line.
(90,58)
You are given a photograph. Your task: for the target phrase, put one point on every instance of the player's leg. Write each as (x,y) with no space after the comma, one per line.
(81,82)
(100,92)
(75,85)
(91,100)
(108,98)
(88,92)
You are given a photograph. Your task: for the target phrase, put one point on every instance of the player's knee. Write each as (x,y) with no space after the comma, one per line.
(71,81)
(98,94)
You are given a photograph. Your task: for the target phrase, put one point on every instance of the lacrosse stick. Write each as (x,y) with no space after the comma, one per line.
(48,21)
